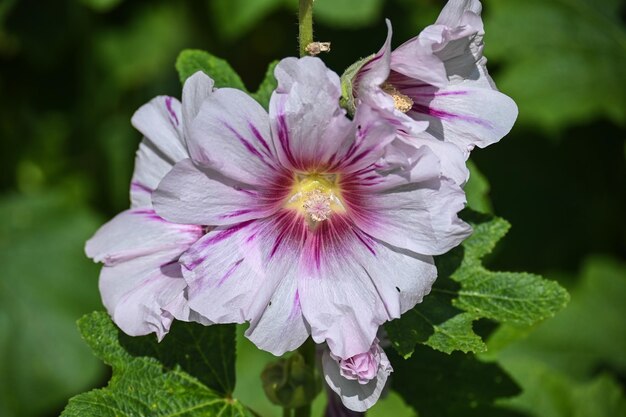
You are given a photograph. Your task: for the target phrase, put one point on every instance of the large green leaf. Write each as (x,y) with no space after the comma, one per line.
(563,60)
(45,285)
(568,366)
(466,291)
(191,373)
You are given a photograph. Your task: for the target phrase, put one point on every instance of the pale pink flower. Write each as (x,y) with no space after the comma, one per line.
(360,379)
(438,82)
(312,235)
(141,283)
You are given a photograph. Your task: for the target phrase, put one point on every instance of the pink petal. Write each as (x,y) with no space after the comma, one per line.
(196,90)
(466,116)
(308,125)
(421,218)
(160,121)
(139,232)
(193,195)
(355,396)
(338,298)
(231,135)
(245,272)
(135,292)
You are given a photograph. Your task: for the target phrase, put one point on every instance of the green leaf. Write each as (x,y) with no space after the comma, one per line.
(466,291)
(267,87)
(161,380)
(45,285)
(477,190)
(567,72)
(440,385)
(557,364)
(191,61)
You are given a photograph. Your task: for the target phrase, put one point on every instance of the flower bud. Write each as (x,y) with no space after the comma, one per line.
(290,383)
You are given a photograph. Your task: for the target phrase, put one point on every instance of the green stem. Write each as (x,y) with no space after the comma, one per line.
(287,412)
(305,25)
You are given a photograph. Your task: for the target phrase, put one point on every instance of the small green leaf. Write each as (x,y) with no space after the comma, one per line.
(456,334)
(466,291)
(191,61)
(477,190)
(158,379)
(267,87)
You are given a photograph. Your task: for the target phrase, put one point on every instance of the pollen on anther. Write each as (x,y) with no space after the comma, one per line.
(317,205)
(401,101)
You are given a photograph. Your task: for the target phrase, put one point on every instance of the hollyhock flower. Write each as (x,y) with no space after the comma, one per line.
(310,236)
(141,283)
(438,82)
(360,379)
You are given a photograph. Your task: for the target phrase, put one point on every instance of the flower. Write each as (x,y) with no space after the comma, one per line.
(360,379)
(438,82)
(141,283)
(310,236)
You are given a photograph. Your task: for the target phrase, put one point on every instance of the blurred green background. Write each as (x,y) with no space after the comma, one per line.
(72,72)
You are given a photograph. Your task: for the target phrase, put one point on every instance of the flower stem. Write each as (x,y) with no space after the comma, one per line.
(305,25)
(287,412)
(303,411)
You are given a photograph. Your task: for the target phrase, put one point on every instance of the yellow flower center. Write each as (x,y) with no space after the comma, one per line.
(316,196)
(401,101)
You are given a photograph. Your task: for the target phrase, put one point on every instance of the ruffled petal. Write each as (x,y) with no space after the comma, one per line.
(421,218)
(402,278)
(338,298)
(466,116)
(139,232)
(196,89)
(416,58)
(231,135)
(376,70)
(355,396)
(245,272)
(371,135)
(194,195)
(135,292)
(453,13)
(308,125)
(160,121)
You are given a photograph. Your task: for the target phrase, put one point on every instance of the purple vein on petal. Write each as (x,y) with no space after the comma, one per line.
(236,213)
(296,308)
(444,115)
(259,137)
(139,187)
(230,272)
(217,237)
(249,147)
(283,137)
(173,117)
